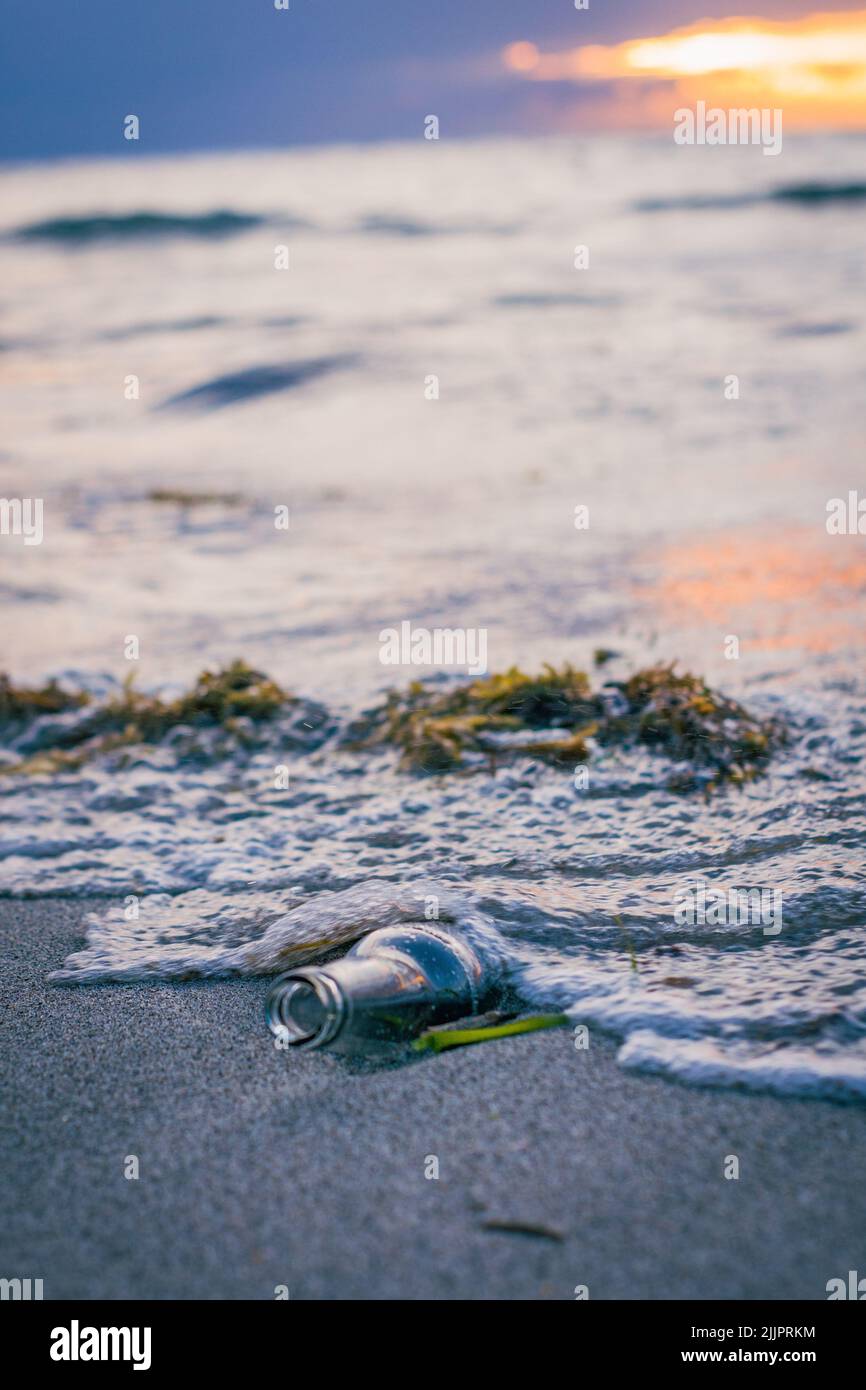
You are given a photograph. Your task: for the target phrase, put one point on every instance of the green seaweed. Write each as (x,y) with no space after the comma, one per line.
(562,752)
(181,498)
(555,717)
(554,699)
(437,1040)
(659,708)
(49,761)
(602,655)
(22,702)
(632,954)
(216,698)
(434,730)
(679,715)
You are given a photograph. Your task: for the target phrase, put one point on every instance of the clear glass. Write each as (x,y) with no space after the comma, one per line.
(391,986)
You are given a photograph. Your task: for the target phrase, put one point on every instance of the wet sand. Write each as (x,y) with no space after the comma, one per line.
(258,1170)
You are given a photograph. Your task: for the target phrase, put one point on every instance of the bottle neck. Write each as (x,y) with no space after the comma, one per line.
(393,984)
(306,1008)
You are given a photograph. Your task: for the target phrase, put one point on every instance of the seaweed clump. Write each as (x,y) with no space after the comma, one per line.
(181,497)
(557,716)
(18,702)
(435,730)
(681,716)
(217,699)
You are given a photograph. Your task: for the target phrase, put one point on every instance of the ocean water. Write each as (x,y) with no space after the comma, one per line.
(308,388)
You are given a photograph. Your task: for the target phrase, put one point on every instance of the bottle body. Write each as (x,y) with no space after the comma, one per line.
(393,984)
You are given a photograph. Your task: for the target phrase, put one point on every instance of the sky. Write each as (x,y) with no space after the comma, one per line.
(233,74)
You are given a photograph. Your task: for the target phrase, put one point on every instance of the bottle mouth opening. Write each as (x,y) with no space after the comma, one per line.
(306,1009)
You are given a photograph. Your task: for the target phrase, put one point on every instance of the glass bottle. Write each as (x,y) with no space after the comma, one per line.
(389,987)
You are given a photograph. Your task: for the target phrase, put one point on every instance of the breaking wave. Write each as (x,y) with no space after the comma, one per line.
(163,938)
(132,226)
(797,194)
(258,381)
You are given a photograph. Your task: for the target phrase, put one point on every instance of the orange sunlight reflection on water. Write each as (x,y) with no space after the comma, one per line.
(797,590)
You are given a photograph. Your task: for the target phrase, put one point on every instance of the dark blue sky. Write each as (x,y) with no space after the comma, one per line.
(210,74)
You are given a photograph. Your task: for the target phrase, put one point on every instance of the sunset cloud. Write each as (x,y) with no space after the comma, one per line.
(813,67)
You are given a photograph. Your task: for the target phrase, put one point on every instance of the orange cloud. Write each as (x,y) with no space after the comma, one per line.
(814,68)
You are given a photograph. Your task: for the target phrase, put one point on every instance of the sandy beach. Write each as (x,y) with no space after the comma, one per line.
(433,528)
(259,1170)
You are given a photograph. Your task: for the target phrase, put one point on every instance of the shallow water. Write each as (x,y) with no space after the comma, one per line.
(306,388)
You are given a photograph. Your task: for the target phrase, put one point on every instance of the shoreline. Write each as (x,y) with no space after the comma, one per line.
(258,1170)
